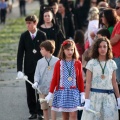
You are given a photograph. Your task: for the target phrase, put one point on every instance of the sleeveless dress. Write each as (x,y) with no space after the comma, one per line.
(103,103)
(67,97)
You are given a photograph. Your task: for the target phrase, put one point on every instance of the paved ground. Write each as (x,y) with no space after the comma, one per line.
(13,104)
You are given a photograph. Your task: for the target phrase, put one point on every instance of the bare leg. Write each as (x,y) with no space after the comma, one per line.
(65,115)
(45,113)
(73,115)
(53,115)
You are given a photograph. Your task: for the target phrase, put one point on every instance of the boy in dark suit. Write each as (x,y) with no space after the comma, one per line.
(29,50)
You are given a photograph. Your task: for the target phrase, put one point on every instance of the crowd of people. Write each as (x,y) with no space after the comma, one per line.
(6,7)
(71,54)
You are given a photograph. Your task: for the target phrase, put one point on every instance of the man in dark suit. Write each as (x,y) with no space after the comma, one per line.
(29,50)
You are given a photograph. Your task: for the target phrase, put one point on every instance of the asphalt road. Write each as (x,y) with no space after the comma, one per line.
(13,103)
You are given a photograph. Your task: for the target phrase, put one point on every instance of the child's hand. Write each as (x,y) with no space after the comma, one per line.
(48,97)
(82,97)
(35,85)
(87,104)
(118,101)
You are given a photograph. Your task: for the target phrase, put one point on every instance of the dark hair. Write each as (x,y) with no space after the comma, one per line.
(65,5)
(104,32)
(49,45)
(65,45)
(111,16)
(54,3)
(32,18)
(79,37)
(112,3)
(50,2)
(100,16)
(49,10)
(44,9)
(95,53)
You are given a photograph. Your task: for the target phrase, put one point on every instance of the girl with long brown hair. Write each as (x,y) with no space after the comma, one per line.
(101,83)
(67,82)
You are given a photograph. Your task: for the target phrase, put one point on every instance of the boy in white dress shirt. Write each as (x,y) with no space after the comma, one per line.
(44,72)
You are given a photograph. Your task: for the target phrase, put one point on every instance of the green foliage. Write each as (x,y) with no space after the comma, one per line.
(9,38)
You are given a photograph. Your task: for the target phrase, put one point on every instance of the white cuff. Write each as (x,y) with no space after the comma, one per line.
(50,93)
(87,100)
(118,98)
(82,93)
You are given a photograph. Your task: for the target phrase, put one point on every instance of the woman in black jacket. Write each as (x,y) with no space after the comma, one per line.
(52,30)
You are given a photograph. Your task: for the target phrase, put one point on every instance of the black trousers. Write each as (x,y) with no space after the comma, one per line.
(32,97)
(22,6)
(3,15)
(79,114)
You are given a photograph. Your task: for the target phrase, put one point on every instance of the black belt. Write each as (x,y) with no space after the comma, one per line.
(102,91)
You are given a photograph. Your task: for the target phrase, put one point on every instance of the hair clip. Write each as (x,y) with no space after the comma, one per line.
(65,43)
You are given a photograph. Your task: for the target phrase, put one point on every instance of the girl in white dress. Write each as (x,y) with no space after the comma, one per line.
(101,84)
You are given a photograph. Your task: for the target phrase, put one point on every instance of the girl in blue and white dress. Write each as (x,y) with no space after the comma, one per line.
(67,82)
(101,84)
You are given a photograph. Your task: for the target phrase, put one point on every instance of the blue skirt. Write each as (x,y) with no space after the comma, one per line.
(66,100)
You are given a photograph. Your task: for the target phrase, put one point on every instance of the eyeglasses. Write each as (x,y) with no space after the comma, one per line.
(117,7)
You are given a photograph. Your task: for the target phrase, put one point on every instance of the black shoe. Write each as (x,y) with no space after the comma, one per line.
(40,117)
(33,116)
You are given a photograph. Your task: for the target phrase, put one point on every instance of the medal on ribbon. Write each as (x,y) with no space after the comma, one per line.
(34,51)
(34,45)
(102,76)
(69,78)
(103,70)
(49,68)
(48,61)
(69,70)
